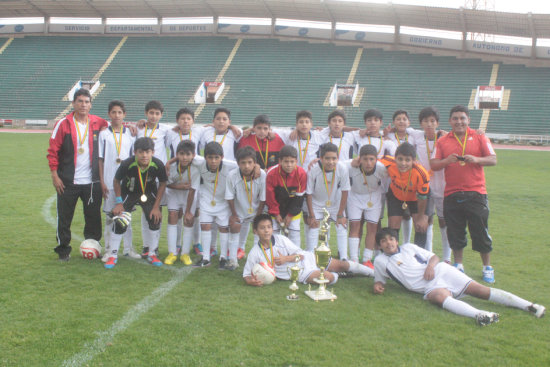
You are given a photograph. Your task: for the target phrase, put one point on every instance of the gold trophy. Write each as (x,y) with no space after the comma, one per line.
(294,273)
(322,257)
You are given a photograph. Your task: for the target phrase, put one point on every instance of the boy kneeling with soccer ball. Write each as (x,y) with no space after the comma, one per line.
(278,252)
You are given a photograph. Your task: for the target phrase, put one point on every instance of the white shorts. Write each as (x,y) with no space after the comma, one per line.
(434,205)
(450,278)
(177,199)
(294,224)
(357,212)
(309,265)
(109,203)
(221,218)
(319,213)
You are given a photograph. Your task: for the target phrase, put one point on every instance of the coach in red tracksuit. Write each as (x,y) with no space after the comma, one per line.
(73,160)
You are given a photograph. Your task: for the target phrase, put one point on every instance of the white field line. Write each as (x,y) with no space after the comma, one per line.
(91,350)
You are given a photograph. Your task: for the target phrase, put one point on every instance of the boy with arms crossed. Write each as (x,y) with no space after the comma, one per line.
(115,145)
(183,185)
(408,191)
(420,271)
(328,187)
(365,201)
(286,185)
(278,251)
(246,198)
(135,184)
(463,153)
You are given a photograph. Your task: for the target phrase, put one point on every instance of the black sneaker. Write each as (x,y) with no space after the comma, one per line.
(145,253)
(201,263)
(64,252)
(223,262)
(232,265)
(345,274)
(64,257)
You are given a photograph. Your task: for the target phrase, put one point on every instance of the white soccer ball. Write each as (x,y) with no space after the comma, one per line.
(90,249)
(264,272)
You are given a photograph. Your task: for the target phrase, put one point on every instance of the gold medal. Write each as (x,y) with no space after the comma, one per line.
(404,206)
(370,204)
(328,203)
(143,198)
(118,160)
(81,150)
(213,203)
(462,163)
(250,211)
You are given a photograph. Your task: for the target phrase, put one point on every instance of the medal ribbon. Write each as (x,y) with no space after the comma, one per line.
(428,151)
(340,145)
(329,193)
(399,141)
(118,144)
(364,177)
(221,142)
(379,148)
(180,173)
(302,159)
(152,131)
(216,183)
(248,193)
(270,263)
(143,186)
(284,181)
(264,159)
(463,145)
(408,182)
(190,134)
(81,140)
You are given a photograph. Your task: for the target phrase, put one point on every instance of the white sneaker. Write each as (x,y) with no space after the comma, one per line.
(537,310)
(485,318)
(106,256)
(132,254)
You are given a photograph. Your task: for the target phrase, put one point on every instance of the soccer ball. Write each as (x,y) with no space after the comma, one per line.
(90,249)
(264,272)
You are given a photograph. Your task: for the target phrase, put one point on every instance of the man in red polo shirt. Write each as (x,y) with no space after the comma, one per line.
(463,153)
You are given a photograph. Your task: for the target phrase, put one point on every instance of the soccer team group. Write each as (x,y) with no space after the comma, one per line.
(280,181)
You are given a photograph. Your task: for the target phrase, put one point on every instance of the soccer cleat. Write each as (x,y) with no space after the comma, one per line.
(64,257)
(145,253)
(345,274)
(185,259)
(132,254)
(232,265)
(368,264)
(106,256)
(213,252)
(488,274)
(485,318)
(111,262)
(154,260)
(537,310)
(459,266)
(170,259)
(201,263)
(198,249)
(240,253)
(222,264)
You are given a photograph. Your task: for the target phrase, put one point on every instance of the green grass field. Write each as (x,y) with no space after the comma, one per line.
(78,313)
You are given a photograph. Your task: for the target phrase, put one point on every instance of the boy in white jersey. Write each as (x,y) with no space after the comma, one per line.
(115,145)
(337,134)
(425,141)
(373,123)
(279,252)
(222,132)
(246,198)
(214,170)
(182,188)
(420,271)
(365,201)
(159,133)
(328,187)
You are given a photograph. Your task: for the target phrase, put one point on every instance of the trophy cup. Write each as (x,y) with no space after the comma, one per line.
(322,257)
(294,273)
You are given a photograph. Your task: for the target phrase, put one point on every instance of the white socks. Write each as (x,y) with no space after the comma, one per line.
(172,236)
(243,235)
(406,229)
(429,237)
(187,238)
(459,307)
(180,229)
(294,236)
(206,237)
(367,254)
(508,299)
(360,269)
(445,244)
(353,243)
(234,245)
(224,240)
(312,239)
(196,231)
(342,240)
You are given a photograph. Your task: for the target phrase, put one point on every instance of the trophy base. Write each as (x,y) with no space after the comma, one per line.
(292,297)
(321,296)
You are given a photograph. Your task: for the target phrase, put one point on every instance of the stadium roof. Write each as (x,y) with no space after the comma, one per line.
(461,20)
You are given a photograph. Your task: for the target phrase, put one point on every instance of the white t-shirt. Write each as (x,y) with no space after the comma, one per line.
(318,190)
(190,175)
(235,190)
(282,246)
(345,144)
(307,148)
(372,191)
(160,138)
(210,191)
(108,152)
(383,147)
(174,138)
(227,141)
(437,178)
(83,169)
(397,141)
(406,267)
